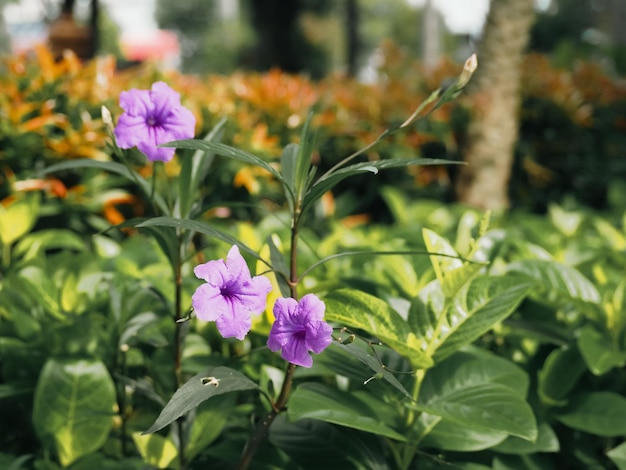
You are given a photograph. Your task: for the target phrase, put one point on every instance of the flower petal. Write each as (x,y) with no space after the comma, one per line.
(312,307)
(204,301)
(318,336)
(295,351)
(214,272)
(234,323)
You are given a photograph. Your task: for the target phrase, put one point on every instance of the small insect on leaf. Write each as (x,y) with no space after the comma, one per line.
(210,381)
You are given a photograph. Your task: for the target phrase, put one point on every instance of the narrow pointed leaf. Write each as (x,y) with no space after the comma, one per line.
(225,151)
(325,184)
(199,388)
(112,167)
(188,224)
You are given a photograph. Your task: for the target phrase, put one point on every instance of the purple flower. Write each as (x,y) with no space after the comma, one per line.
(299,328)
(152,118)
(230,295)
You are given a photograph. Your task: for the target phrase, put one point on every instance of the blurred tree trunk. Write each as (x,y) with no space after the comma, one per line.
(431,47)
(352,33)
(494,94)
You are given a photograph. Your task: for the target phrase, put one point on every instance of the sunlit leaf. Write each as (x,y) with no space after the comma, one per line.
(357,309)
(485,302)
(73,406)
(155,450)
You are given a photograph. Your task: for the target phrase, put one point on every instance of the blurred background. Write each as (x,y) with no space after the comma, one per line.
(323,35)
(543,120)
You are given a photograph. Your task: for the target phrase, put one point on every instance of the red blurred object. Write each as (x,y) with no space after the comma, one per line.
(157,45)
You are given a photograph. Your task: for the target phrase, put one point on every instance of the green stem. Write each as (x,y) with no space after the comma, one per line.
(263,427)
(178,348)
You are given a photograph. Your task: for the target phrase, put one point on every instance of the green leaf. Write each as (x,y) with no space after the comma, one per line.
(600,413)
(599,350)
(477,389)
(34,244)
(547,441)
(452,273)
(328,182)
(194,169)
(112,167)
(225,151)
(317,401)
(557,278)
(303,160)
(209,421)
(188,224)
(155,450)
(18,218)
(485,302)
(618,456)
(199,388)
(374,364)
(446,435)
(40,286)
(360,310)
(318,445)
(73,406)
(559,375)
(288,163)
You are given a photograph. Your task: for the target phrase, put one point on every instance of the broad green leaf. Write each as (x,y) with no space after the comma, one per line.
(477,308)
(155,450)
(317,401)
(425,309)
(18,218)
(452,273)
(447,435)
(556,278)
(600,413)
(547,441)
(360,310)
(599,350)
(567,222)
(318,445)
(194,169)
(41,287)
(73,406)
(112,167)
(559,375)
(209,421)
(329,181)
(225,151)
(618,456)
(478,389)
(34,244)
(199,388)
(526,462)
